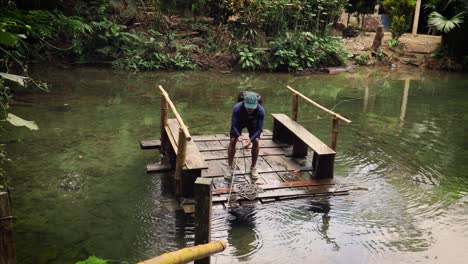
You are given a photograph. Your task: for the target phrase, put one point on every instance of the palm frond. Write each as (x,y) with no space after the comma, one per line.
(443,24)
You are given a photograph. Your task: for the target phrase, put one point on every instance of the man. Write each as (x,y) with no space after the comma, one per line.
(246,114)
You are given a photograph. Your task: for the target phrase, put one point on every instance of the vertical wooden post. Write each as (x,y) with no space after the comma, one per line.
(7,244)
(203,204)
(334,137)
(295,107)
(164,107)
(416,17)
(180,160)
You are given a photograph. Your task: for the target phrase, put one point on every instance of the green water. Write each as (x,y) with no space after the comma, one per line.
(79,186)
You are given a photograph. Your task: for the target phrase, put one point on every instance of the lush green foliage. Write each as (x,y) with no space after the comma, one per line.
(400,12)
(92,260)
(249,58)
(275,17)
(306,50)
(362,59)
(30,35)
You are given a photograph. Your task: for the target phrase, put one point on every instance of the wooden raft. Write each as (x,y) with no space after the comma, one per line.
(281,176)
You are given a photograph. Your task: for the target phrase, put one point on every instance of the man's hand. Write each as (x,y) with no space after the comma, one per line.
(240,138)
(247,145)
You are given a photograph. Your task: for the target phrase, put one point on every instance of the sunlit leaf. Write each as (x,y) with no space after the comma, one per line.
(443,24)
(19,122)
(8,39)
(21,80)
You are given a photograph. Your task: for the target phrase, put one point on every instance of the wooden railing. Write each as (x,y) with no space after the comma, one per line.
(184,135)
(336,117)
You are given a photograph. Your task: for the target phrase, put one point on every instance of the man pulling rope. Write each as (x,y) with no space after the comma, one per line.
(246,114)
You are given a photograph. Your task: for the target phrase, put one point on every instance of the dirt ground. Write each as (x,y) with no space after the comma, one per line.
(412,50)
(422,44)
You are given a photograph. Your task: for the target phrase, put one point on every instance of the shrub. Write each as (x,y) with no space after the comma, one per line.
(306,50)
(400,13)
(249,58)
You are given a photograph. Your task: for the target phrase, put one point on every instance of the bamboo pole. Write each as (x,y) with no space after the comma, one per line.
(176,114)
(334,136)
(189,254)
(180,160)
(335,115)
(416,18)
(203,203)
(295,107)
(7,243)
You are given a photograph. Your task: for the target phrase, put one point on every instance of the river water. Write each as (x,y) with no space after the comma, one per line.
(79,185)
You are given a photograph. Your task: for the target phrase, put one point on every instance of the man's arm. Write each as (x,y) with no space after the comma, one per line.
(260,120)
(235,112)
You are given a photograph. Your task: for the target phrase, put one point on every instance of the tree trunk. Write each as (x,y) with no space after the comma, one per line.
(378,38)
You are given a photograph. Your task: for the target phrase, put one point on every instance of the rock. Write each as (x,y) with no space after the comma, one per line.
(372,22)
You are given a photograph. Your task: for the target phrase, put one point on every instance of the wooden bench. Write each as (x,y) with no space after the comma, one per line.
(194,163)
(289,131)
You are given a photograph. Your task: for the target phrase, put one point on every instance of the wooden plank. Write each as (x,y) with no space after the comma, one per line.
(313,142)
(290,194)
(292,176)
(208,146)
(250,203)
(150,144)
(216,168)
(282,163)
(267,200)
(224,137)
(193,159)
(282,185)
(222,154)
(270,178)
(157,167)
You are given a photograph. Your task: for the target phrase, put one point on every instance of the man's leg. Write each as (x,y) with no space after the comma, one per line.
(255,151)
(231,150)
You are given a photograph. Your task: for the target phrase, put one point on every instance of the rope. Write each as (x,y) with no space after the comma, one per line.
(247,190)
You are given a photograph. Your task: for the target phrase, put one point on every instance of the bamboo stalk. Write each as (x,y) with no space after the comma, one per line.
(320,107)
(176,114)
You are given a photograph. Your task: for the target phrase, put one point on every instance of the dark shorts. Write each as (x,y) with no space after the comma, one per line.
(251,127)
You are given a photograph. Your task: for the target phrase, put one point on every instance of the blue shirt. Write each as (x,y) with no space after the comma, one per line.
(240,116)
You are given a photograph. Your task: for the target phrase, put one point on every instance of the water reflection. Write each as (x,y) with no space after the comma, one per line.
(242,234)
